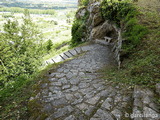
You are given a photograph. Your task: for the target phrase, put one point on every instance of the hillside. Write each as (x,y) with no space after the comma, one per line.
(109,53)
(118,77)
(139,45)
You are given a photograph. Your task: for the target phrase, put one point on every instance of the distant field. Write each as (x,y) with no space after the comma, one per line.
(32,11)
(55,27)
(40,4)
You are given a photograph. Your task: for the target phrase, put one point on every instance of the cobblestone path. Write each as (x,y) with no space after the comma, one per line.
(75,90)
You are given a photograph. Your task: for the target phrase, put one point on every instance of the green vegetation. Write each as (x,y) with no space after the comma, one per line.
(24,45)
(16,105)
(124,15)
(32,11)
(79,30)
(141,67)
(49,45)
(84,2)
(19,53)
(19,57)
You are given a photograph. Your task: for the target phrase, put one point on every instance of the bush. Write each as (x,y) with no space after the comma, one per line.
(49,45)
(84,2)
(116,11)
(78,29)
(124,15)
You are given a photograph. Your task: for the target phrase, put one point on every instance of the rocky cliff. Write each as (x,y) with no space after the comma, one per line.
(96,26)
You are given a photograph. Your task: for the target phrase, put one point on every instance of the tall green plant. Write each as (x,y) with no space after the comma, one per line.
(20,51)
(79,29)
(78,32)
(49,45)
(84,2)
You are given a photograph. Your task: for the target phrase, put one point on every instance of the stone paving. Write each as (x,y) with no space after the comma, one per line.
(76,91)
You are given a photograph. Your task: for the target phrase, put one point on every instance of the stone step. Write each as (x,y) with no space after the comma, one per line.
(64,56)
(115,105)
(68,54)
(144,106)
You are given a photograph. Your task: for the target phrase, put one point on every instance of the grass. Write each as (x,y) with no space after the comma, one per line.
(15,106)
(34,106)
(55,52)
(142,66)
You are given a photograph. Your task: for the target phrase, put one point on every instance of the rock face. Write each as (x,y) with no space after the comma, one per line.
(105,29)
(97,26)
(81,13)
(97,20)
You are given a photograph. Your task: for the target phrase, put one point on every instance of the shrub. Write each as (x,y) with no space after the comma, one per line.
(84,2)
(49,45)
(78,29)
(116,11)
(124,15)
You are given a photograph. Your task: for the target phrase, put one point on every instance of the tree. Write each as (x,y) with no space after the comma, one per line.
(20,50)
(49,45)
